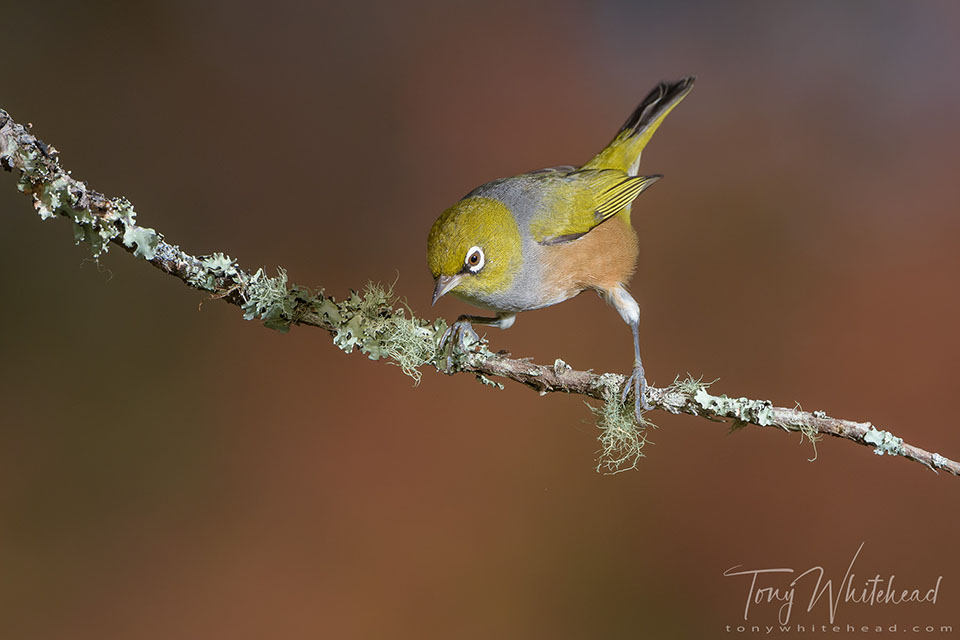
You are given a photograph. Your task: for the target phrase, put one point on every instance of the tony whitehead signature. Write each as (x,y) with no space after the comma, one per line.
(873,591)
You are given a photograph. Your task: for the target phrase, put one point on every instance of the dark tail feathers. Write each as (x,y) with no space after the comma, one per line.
(663,97)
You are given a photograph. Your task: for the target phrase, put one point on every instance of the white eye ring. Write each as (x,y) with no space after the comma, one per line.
(474,260)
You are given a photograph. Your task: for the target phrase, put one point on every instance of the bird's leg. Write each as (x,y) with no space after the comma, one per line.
(636,380)
(456,334)
(629,310)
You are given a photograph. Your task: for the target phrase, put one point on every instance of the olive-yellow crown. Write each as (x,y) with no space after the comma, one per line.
(475,243)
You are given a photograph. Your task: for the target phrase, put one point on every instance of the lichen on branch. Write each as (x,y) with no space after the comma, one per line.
(373,322)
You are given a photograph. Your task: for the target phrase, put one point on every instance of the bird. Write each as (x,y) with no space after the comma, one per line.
(540,238)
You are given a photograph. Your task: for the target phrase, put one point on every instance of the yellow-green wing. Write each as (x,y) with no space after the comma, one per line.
(579,201)
(613,200)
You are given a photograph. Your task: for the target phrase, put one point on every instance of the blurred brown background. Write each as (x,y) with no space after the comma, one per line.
(168,472)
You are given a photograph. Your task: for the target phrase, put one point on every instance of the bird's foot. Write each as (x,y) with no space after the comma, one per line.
(459,335)
(638,383)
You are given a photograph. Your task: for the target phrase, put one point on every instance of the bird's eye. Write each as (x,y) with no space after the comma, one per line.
(475,260)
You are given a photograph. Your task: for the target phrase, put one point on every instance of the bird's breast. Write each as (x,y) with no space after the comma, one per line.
(603,259)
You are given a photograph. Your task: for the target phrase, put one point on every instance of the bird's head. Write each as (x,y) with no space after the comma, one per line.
(473,250)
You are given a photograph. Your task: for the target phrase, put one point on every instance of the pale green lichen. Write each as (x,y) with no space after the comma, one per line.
(86,230)
(745,411)
(812,435)
(62,196)
(329,311)
(365,321)
(368,321)
(394,334)
(741,409)
(410,345)
(884,442)
(349,334)
(621,438)
(217,266)
(269,300)
(609,384)
(145,240)
(29,158)
(48,198)
(689,386)
(220,264)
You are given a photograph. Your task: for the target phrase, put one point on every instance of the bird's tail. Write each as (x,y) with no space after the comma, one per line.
(624,151)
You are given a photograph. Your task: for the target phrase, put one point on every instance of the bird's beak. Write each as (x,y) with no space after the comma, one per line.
(444,284)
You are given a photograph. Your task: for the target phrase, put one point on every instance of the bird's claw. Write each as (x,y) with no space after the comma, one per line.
(638,383)
(455,337)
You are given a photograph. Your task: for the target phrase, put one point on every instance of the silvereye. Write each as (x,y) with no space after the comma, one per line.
(540,238)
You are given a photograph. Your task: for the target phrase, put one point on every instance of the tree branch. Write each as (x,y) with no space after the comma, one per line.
(369,321)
